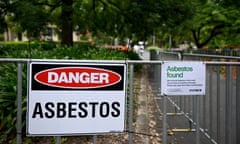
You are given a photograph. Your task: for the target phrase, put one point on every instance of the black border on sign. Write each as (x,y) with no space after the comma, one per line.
(110,66)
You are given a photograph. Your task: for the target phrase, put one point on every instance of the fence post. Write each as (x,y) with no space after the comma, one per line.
(58,139)
(210,101)
(228,115)
(180,56)
(19,103)
(94,139)
(218,104)
(164,120)
(197,108)
(238,105)
(130,116)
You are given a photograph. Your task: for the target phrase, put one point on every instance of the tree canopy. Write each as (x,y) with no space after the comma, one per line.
(200,21)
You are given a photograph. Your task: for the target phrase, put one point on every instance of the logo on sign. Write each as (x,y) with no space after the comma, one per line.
(77,77)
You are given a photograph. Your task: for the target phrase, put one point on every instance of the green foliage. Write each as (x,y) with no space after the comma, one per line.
(8,77)
(153,48)
(212,24)
(8,102)
(30,18)
(1,37)
(24,49)
(229,3)
(192,20)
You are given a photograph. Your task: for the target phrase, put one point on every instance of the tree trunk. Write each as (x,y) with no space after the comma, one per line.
(67,24)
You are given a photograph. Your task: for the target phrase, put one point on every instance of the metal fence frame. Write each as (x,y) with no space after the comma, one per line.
(156,59)
(232,93)
(20,63)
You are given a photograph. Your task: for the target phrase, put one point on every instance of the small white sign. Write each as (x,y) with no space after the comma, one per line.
(183,78)
(75,98)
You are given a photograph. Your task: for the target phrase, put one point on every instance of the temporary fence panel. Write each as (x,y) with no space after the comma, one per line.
(222,99)
(219,112)
(19,64)
(219,108)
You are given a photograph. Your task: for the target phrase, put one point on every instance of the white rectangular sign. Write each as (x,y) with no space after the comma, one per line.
(183,78)
(75,98)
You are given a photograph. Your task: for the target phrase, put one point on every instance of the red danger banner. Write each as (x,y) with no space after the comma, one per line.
(62,77)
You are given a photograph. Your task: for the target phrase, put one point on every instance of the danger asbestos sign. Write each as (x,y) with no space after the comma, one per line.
(75,98)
